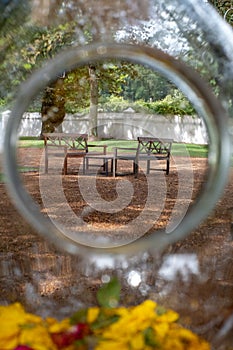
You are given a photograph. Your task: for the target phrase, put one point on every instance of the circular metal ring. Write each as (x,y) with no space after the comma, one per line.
(187,80)
(227,12)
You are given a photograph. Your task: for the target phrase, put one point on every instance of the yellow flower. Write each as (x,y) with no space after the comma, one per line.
(37,337)
(161,329)
(92,314)
(121,311)
(8,337)
(12,317)
(168,316)
(181,339)
(57,327)
(137,342)
(111,345)
(133,320)
(130,326)
(144,327)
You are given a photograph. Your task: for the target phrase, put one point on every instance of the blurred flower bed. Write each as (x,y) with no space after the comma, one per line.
(107,327)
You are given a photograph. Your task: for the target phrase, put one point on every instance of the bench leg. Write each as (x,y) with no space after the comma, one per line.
(148,166)
(46,162)
(113,167)
(168,167)
(65,166)
(135,169)
(87,163)
(84,165)
(106,166)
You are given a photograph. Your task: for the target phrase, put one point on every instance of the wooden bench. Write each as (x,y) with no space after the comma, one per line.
(68,145)
(148,149)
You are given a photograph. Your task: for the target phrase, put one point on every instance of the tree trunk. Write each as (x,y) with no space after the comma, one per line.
(93,117)
(53,107)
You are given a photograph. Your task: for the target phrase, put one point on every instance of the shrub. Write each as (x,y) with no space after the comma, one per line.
(170,105)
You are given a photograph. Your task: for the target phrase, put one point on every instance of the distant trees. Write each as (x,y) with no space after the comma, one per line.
(25,44)
(146,85)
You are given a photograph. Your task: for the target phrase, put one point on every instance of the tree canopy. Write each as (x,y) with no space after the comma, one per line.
(32,32)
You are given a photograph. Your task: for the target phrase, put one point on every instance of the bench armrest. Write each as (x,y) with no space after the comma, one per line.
(103,147)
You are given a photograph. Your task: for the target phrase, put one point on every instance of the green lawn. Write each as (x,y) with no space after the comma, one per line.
(199,151)
(31,142)
(177,148)
(2,178)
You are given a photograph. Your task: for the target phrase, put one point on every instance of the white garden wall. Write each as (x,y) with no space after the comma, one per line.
(123,126)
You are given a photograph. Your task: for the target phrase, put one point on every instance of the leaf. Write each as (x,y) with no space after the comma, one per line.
(27,66)
(150,338)
(79,317)
(160,310)
(109,294)
(104,320)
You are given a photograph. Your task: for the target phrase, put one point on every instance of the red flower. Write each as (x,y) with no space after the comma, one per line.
(76,332)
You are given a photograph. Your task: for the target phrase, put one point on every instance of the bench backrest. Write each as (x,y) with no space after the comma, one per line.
(69,141)
(151,145)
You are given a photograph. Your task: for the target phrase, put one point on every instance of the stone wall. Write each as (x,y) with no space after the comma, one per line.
(123,126)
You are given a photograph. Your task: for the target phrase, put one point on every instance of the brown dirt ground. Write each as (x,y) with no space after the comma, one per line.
(47,281)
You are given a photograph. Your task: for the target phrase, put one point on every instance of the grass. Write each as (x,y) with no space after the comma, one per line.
(31,142)
(178,149)
(2,178)
(198,151)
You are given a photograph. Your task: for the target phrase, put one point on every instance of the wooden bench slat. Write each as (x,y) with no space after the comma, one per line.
(148,149)
(72,145)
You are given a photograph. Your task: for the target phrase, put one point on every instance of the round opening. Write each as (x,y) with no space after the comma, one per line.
(77,235)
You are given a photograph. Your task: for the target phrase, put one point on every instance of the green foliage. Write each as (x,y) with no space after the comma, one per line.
(2,103)
(146,85)
(122,85)
(13,14)
(173,105)
(79,317)
(25,51)
(45,44)
(150,338)
(104,319)
(114,104)
(111,77)
(170,105)
(77,90)
(109,294)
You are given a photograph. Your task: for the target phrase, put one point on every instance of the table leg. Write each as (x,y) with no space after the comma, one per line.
(106,167)
(114,167)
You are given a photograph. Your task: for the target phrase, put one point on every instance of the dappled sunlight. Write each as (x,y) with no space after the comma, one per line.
(170,200)
(196,272)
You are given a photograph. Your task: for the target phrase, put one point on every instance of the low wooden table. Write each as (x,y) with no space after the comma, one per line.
(105,159)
